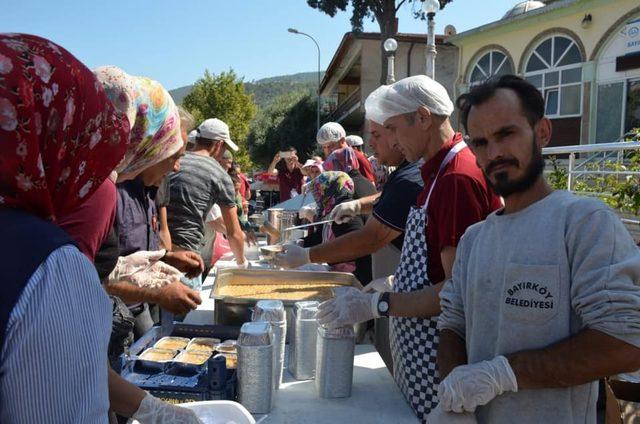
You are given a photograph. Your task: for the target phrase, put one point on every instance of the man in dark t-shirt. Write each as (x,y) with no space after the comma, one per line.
(389,211)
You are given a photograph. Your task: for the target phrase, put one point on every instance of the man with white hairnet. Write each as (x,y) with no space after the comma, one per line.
(416,111)
(355,142)
(331,136)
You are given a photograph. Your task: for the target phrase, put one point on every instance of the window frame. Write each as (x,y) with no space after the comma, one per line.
(490,53)
(545,89)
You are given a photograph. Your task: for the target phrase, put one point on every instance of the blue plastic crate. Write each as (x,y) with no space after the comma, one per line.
(177,385)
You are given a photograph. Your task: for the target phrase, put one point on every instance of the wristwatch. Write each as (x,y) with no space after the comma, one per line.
(383,304)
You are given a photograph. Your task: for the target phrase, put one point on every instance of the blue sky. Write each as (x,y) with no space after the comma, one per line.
(175,41)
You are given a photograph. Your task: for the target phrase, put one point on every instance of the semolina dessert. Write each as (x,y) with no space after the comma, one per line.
(172,343)
(275,291)
(195,358)
(202,344)
(231,359)
(158,355)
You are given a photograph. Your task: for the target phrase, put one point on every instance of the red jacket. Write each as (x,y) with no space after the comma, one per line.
(365,167)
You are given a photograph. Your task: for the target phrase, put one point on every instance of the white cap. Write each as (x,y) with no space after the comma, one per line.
(191,138)
(215,129)
(354,140)
(407,95)
(330,133)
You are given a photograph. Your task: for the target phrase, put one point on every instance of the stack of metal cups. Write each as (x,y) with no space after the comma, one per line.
(302,347)
(255,367)
(334,362)
(272,311)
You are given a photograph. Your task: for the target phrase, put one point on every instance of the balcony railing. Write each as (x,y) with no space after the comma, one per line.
(346,105)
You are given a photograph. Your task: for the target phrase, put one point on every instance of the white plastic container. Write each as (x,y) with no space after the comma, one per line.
(218,412)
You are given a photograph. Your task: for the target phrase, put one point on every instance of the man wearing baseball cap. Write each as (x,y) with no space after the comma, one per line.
(416,111)
(200,183)
(331,136)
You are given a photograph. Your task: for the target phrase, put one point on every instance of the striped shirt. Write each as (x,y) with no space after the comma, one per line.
(53,365)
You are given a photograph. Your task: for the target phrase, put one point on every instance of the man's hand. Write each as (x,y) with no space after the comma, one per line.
(346,211)
(154,411)
(350,306)
(177,298)
(186,261)
(250,238)
(308,212)
(292,256)
(470,386)
(380,285)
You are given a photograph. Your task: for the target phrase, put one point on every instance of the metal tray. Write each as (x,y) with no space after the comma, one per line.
(235,311)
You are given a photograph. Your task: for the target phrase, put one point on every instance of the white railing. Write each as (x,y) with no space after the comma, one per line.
(594,159)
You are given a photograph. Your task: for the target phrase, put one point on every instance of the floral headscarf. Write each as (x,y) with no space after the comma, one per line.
(344,160)
(330,189)
(60,137)
(153,116)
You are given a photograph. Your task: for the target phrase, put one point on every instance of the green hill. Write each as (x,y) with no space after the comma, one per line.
(267,89)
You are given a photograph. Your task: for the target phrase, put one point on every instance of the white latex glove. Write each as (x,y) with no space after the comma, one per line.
(345,212)
(136,262)
(469,386)
(350,306)
(380,285)
(440,416)
(155,277)
(154,411)
(308,213)
(292,256)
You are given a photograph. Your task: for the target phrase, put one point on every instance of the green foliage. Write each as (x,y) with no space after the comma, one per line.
(609,180)
(266,90)
(290,120)
(223,96)
(558,177)
(384,11)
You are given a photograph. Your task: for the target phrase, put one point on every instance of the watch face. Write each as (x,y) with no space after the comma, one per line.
(383,306)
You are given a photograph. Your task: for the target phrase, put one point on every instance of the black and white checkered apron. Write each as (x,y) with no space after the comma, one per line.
(414,341)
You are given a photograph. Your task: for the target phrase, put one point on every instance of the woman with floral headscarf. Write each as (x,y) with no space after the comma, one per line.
(155,147)
(61,138)
(345,160)
(330,189)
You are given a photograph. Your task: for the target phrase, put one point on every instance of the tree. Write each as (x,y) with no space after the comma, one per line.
(383,11)
(290,120)
(223,96)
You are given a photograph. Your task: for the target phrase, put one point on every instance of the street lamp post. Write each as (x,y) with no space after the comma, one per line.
(390,46)
(295,31)
(431,7)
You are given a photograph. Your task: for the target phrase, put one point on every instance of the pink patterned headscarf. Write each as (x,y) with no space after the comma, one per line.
(344,160)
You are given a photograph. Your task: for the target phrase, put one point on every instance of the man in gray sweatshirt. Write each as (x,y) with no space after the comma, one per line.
(544,297)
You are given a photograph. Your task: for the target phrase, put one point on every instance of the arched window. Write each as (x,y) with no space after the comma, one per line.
(490,64)
(555,67)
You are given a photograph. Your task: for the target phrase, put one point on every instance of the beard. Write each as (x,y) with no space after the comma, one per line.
(505,187)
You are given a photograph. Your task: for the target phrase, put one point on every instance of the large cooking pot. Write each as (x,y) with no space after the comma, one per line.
(280,219)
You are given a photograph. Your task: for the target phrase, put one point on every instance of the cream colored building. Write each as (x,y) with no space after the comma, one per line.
(584,56)
(354,72)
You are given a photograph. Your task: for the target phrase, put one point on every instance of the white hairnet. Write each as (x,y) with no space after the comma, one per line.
(354,140)
(330,133)
(371,109)
(406,96)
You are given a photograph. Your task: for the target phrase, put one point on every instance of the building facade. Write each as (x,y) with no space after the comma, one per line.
(583,55)
(355,71)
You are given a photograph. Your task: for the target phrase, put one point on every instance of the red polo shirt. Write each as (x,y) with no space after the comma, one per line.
(365,167)
(460,198)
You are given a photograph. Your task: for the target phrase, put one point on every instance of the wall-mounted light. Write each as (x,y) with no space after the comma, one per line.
(586,21)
